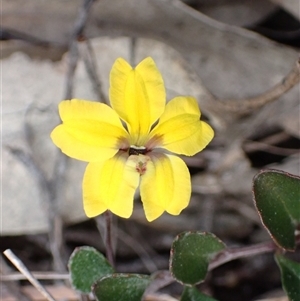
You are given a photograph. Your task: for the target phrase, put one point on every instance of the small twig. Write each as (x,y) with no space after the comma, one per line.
(11,287)
(132,51)
(56,240)
(139,249)
(251,146)
(254,146)
(72,64)
(73,46)
(91,68)
(36,275)
(22,268)
(50,188)
(245,106)
(11,34)
(55,222)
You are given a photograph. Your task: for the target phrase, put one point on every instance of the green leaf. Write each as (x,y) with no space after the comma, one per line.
(86,265)
(121,287)
(277,199)
(190,256)
(290,277)
(192,294)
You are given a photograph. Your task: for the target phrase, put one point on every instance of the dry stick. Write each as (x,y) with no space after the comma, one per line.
(270,142)
(11,287)
(55,237)
(245,106)
(91,68)
(11,34)
(253,146)
(132,51)
(56,224)
(73,46)
(139,249)
(49,187)
(36,275)
(22,268)
(73,59)
(72,64)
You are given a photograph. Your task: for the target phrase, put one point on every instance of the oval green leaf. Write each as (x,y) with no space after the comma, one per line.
(290,277)
(86,265)
(192,294)
(121,287)
(190,256)
(277,199)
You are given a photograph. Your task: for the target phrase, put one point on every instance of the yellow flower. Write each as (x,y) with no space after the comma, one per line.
(130,143)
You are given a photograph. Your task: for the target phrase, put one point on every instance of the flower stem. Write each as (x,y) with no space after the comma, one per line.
(108,238)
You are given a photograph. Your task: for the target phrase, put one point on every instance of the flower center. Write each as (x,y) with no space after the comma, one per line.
(137,150)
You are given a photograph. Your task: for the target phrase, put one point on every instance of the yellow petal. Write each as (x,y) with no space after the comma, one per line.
(137,95)
(91,131)
(165,186)
(180,129)
(110,185)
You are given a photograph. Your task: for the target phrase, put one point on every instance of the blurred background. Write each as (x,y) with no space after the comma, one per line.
(237,57)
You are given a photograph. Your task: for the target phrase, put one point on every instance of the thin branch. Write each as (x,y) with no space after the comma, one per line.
(54,219)
(132,51)
(251,146)
(72,64)
(56,223)
(245,106)
(22,268)
(11,287)
(90,63)
(12,34)
(139,249)
(73,46)
(36,275)
(56,241)
(29,162)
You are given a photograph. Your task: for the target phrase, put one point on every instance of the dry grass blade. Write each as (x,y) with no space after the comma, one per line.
(22,268)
